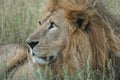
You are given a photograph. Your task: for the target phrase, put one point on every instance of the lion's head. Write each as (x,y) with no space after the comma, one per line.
(49,40)
(67,37)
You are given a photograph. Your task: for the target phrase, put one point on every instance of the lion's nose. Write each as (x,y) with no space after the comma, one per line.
(32,44)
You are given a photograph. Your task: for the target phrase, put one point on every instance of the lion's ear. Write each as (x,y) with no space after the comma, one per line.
(78,19)
(81,22)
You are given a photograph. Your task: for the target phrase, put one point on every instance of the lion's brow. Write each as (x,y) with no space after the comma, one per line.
(46,17)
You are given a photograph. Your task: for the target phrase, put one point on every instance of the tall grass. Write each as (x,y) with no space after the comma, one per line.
(18,18)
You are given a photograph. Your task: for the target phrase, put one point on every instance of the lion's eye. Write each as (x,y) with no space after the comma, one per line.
(52,25)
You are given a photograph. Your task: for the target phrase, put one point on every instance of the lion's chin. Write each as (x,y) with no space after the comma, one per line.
(43,60)
(39,60)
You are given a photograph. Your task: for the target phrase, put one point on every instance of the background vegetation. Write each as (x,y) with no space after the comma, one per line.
(18,18)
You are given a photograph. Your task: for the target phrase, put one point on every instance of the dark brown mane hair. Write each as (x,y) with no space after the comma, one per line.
(94,34)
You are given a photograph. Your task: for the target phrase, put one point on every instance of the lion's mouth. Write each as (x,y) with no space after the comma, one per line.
(43,60)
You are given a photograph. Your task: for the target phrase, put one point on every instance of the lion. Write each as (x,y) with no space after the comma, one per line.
(72,37)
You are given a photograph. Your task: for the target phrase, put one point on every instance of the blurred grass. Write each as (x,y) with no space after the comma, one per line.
(18,18)
(113,6)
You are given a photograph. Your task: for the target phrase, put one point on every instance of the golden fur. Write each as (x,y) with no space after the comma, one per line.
(89,39)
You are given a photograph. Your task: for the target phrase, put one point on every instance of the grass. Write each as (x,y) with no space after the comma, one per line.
(19,18)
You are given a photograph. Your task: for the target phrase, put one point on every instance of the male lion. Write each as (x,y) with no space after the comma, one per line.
(72,37)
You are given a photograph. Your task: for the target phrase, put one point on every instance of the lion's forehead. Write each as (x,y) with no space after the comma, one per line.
(53,16)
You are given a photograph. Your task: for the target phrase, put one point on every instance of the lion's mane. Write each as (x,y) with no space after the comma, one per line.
(93,39)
